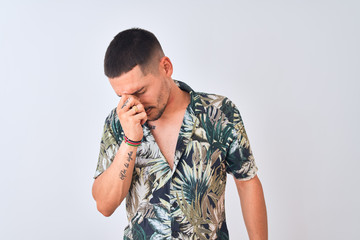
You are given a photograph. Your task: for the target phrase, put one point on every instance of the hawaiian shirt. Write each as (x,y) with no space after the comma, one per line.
(188,201)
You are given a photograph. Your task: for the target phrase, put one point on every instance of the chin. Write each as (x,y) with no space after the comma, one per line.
(154,116)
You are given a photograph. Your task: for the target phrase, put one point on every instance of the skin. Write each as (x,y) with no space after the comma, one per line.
(155,92)
(253,208)
(161,103)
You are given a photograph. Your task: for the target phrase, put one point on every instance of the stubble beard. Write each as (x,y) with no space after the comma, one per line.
(161,109)
(159,114)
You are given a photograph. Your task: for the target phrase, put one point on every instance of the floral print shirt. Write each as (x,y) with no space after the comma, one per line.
(188,201)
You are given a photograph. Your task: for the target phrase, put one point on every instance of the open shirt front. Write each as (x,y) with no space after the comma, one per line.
(188,201)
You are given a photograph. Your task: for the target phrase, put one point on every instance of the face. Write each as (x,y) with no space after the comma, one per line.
(152,89)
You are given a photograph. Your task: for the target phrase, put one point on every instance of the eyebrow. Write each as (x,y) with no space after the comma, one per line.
(137,91)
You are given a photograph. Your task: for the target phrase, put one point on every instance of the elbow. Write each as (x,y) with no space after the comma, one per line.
(107,208)
(106,214)
(106,204)
(106,211)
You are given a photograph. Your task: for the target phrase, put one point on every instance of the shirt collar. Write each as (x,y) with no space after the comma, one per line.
(195,101)
(183,86)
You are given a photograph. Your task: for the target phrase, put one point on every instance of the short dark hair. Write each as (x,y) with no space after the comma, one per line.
(129,48)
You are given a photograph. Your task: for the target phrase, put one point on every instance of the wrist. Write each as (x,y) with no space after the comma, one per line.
(132,143)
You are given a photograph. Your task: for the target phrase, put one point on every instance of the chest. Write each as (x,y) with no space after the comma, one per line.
(166,136)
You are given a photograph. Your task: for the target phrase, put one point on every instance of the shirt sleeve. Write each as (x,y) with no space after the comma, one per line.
(108,148)
(240,161)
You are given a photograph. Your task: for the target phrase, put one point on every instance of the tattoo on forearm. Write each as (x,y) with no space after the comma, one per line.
(127,100)
(123,174)
(126,165)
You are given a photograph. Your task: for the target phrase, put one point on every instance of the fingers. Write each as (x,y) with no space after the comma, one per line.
(131,115)
(139,113)
(135,109)
(126,102)
(130,106)
(142,117)
(138,108)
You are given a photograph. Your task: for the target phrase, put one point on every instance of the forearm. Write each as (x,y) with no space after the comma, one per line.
(112,186)
(253,208)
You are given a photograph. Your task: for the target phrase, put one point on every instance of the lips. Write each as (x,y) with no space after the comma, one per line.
(148,110)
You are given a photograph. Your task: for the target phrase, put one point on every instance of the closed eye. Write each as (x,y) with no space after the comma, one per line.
(138,92)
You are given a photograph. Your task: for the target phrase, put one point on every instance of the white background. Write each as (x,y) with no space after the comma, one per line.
(291,67)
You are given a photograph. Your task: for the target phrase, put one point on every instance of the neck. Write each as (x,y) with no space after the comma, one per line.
(178,101)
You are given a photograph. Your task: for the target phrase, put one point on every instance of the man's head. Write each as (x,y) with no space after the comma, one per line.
(130,48)
(136,65)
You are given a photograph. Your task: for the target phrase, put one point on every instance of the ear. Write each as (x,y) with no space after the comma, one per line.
(166,66)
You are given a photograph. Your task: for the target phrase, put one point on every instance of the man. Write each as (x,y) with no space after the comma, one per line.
(167,149)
